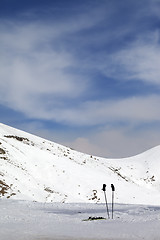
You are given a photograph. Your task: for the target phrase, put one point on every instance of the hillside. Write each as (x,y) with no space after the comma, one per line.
(32,168)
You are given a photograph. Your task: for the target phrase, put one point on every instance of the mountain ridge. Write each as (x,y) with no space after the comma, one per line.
(33,168)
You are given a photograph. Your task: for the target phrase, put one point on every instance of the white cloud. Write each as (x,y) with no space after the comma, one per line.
(36,77)
(137,61)
(37,67)
(132,109)
(31,74)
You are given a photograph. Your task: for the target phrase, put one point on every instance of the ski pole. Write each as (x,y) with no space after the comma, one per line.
(113,189)
(104,190)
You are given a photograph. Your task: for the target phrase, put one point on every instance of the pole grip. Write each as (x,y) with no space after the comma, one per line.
(104,187)
(113,188)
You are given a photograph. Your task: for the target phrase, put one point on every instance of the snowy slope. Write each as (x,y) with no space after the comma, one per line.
(32,168)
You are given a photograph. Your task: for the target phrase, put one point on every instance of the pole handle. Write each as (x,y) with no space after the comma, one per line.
(104,187)
(113,187)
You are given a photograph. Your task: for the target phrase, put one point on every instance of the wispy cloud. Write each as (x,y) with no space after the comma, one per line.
(138,61)
(31,68)
(49,67)
(37,65)
(134,110)
(36,73)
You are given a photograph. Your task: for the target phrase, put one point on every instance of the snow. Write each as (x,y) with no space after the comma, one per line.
(47,190)
(39,170)
(30,220)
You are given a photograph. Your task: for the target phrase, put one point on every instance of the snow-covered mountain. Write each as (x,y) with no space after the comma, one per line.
(32,168)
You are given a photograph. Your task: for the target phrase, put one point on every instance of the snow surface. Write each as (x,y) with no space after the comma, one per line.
(47,190)
(47,221)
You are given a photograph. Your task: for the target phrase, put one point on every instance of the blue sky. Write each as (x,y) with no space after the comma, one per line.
(82,73)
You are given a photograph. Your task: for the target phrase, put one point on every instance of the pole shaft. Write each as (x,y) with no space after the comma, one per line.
(112,202)
(106,204)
